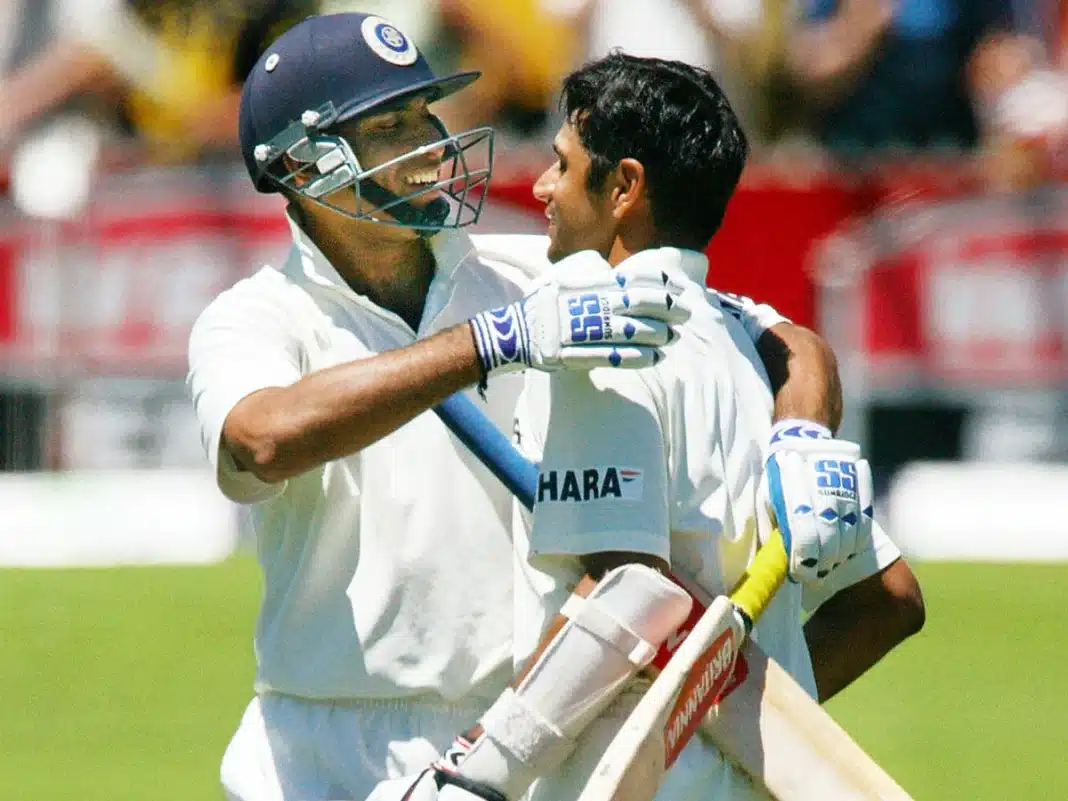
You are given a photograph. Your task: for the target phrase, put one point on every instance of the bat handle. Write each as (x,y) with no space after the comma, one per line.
(761,579)
(470,425)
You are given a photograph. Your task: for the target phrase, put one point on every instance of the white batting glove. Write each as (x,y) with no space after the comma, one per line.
(439,782)
(584,315)
(818,491)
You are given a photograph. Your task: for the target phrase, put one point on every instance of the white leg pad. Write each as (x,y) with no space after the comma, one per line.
(608,638)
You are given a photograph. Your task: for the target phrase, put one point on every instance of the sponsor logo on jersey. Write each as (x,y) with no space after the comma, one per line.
(590,484)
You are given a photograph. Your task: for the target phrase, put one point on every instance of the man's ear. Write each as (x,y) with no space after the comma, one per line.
(629,189)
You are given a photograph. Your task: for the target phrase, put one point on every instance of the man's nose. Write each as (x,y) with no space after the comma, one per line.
(543,187)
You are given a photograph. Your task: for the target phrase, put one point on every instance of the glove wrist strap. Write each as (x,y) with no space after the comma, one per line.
(798,427)
(501,339)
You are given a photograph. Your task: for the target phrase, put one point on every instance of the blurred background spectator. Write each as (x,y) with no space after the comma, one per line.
(719,35)
(168,71)
(890,73)
(522,53)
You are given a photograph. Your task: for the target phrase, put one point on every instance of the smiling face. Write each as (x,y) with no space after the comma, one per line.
(386,136)
(579,218)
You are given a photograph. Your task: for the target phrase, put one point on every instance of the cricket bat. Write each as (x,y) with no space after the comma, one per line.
(742,700)
(697,673)
(769,726)
(778,734)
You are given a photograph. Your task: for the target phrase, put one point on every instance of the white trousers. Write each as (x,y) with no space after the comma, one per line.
(293,749)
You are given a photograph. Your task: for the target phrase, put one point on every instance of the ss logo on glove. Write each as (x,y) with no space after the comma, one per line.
(587,321)
(836,475)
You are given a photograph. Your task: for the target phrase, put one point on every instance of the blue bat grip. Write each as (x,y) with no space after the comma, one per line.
(471,426)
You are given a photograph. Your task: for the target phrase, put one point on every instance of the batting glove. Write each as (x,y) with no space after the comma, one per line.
(439,782)
(584,315)
(818,491)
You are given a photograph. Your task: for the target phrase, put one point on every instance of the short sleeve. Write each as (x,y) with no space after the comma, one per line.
(238,345)
(880,555)
(756,318)
(603,481)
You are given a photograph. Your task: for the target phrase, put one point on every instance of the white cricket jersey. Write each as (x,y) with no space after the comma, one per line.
(387,573)
(662,461)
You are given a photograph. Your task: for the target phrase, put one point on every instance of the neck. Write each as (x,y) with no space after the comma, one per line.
(630,241)
(635,240)
(392,272)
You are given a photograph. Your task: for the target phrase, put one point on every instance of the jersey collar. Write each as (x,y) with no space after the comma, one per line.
(690,263)
(450,247)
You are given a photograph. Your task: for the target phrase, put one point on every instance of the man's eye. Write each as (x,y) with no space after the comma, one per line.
(384,125)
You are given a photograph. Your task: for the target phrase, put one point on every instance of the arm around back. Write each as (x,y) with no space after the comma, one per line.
(804,374)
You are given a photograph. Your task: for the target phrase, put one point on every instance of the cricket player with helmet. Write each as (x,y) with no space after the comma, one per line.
(677,467)
(386,622)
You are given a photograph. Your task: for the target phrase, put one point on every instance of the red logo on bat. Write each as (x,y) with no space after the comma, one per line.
(707,681)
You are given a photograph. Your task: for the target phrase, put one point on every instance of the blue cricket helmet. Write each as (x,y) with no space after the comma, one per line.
(333,68)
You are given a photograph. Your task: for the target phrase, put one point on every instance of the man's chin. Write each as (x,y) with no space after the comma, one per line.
(556,251)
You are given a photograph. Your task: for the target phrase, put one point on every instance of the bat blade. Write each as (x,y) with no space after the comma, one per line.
(686,688)
(717,628)
(778,734)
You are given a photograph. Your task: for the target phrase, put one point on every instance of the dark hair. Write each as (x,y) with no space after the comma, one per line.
(675,120)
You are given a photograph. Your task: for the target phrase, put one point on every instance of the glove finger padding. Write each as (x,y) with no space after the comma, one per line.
(634,357)
(813,488)
(829,516)
(866,502)
(788,499)
(616,329)
(658,303)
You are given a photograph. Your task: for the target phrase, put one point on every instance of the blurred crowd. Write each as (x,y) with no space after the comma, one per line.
(90,88)
(119,83)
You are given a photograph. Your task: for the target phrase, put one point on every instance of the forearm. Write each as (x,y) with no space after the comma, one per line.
(826,60)
(281,432)
(858,626)
(62,71)
(804,374)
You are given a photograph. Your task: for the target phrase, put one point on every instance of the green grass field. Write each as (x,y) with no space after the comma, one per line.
(124,685)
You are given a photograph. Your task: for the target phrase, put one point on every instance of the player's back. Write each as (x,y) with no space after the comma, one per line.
(664,461)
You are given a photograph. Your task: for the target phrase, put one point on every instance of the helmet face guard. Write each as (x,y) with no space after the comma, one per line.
(324,164)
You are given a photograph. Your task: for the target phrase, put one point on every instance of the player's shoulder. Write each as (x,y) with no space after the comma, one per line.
(520,258)
(268,293)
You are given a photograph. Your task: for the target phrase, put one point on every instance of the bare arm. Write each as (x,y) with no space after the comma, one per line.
(862,623)
(827,59)
(63,70)
(804,374)
(280,432)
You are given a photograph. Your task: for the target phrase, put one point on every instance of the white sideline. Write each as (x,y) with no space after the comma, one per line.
(114,517)
(980,512)
(934,511)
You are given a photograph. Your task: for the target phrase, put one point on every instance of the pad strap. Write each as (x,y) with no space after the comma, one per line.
(526,734)
(591,616)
